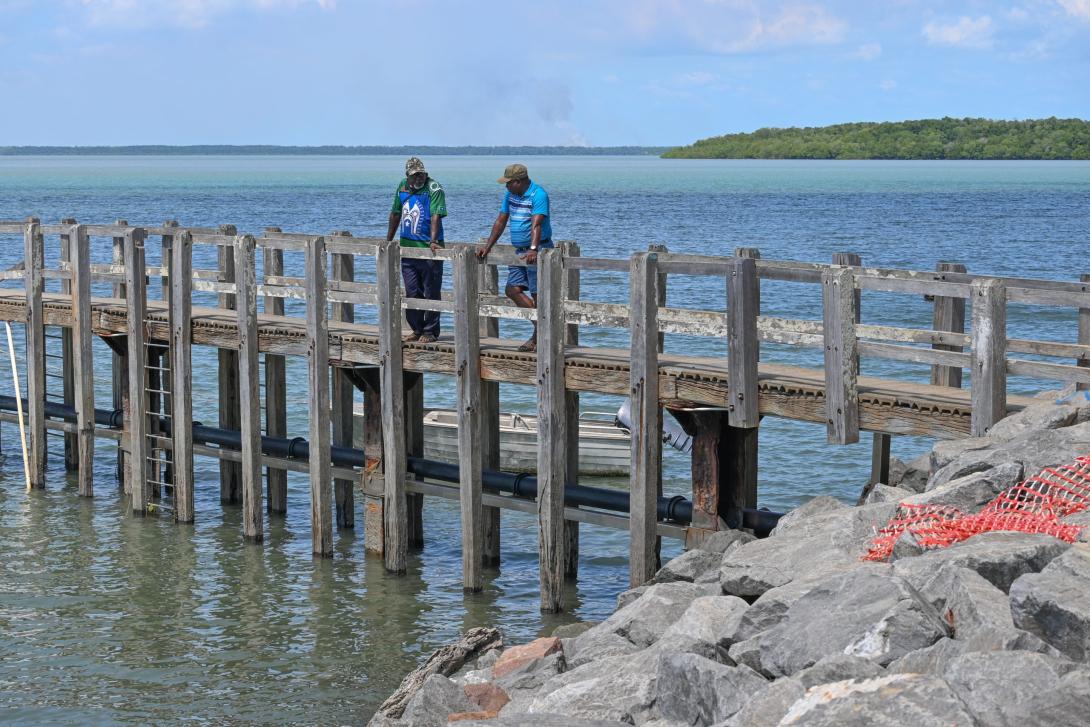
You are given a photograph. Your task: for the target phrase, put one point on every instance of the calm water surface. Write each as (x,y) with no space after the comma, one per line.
(106,619)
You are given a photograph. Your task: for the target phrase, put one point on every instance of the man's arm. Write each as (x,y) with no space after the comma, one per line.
(497,229)
(535,237)
(435,244)
(395,221)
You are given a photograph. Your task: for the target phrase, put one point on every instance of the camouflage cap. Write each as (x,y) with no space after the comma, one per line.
(414,166)
(512,172)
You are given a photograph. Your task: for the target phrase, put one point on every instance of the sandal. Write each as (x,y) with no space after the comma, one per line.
(414,336)
(426,338)
(530,346)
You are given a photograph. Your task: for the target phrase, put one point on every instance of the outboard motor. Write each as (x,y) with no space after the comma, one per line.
(672,433)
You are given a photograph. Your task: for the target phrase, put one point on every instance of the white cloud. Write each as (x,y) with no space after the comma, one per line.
(888,84)
(868,51)
(1079,8)
(696,78)
(184,13)
(965,33)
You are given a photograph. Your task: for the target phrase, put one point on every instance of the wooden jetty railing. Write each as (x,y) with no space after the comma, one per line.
(152,329)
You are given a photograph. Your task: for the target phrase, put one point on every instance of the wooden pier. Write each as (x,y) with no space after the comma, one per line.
(146,314)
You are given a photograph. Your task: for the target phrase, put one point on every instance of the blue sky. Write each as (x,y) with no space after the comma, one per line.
(597,72)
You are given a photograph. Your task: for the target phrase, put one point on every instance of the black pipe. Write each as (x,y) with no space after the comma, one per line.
(675,509)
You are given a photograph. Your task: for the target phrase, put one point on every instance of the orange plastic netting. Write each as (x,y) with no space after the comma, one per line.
(1033,506)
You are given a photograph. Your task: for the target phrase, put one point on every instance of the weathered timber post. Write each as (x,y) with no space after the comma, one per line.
(343,269)
(119,361)
(395,535)
(230,412)
(989,351)
(181,371)
(880,441)
(570,291)
(414,447)
(321,505)
(68,384)
(743,356)
(249,376)
(552,453)
(34,261)
(276,387)
(372,476)
(467,371)
(488,284)
(841,356)
(646,471)
(137,419)
(949,315)
(1084,331)
(83,359)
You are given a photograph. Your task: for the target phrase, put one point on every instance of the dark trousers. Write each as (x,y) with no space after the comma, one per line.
(423,279)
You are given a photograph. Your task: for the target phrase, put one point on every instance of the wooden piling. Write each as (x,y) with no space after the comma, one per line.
(83,359)
(738,473)
(181,371)
(374,483)
(646,417)
(989,344)
(230,407)
(413,413)
(249,376)
(137,420)
(276,387)
(949,315)
(488,284)
(119,362)
(571,291)
(880,441)
(34,261)
(841,357)
(321,495)
(467,370)
(343,269)
(552,436)
(68,371)
(1084,333)
(395,535)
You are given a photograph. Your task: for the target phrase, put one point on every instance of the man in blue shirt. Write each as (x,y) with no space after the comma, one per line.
(526,205)
(418,209)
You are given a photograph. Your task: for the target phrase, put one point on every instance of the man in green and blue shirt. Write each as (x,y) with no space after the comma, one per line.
(526,206)
(418,211)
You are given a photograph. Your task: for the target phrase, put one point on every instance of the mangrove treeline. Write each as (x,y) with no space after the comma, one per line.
(925,139)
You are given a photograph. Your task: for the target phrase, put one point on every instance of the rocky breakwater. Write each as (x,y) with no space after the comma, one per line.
(797,629)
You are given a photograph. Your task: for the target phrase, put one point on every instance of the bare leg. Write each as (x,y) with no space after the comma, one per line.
(522,300)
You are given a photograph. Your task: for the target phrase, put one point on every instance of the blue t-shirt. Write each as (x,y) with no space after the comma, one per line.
(522,208)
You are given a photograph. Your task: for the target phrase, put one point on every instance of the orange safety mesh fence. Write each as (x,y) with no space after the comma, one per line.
(1033,506)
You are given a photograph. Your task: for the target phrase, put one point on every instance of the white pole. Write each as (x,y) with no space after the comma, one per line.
(18,404)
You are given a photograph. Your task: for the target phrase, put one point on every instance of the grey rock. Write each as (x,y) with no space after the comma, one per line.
(852,528)
(570,631)
(1081,519)
(1065,705)
(688,566)
(888,619)
(820,505)
(767,707)
(966,601)
(946,451)
(990,638)
(622,695)
(916,474)
(971,492)
(746,653)
(539,720)
(530,677)
(1036,417)
(693,690)
(885,493)
(930,660)
(906,546)
(1000,557)
(993,683)
(488,658)
(644,620)
(1055,603)
(705,628)
(1035,450)
(837,668)
(594,645)
(723,540)
(624,598)
(437,698)
(921,700)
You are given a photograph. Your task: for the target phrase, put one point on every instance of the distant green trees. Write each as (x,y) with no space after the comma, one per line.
(945,138)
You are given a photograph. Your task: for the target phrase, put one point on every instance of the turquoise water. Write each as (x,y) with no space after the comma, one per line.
(107,619)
